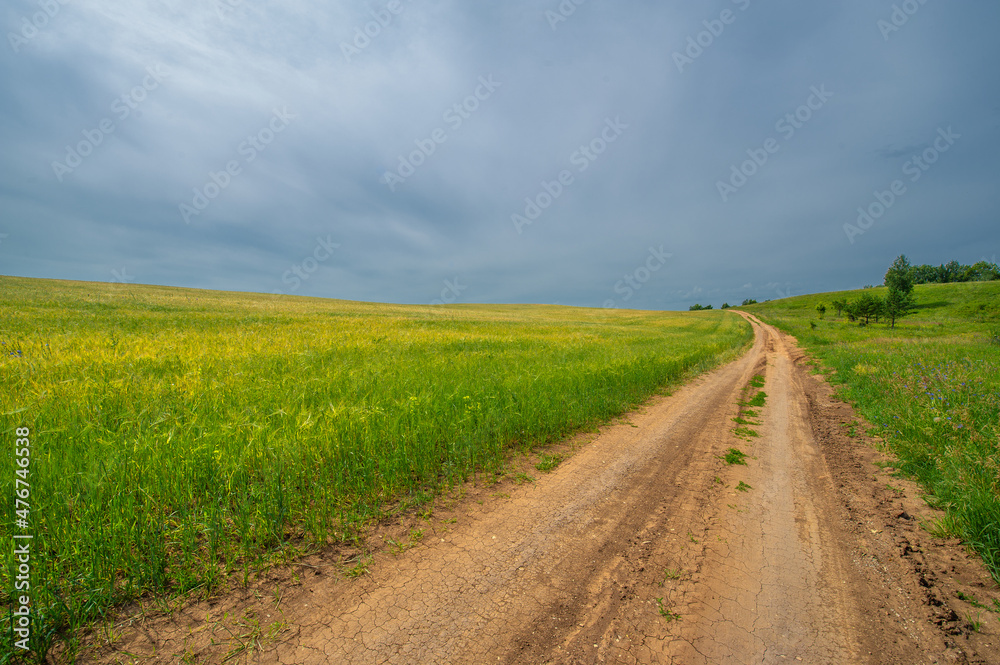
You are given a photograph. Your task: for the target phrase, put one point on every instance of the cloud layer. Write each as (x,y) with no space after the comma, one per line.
(434,150)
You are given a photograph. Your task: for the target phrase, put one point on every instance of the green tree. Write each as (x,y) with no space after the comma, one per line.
(725,305)
(899,276)
(851,310)
(982,271)
(821,309)
(749,301)
(898,305)
(868,306)
(899,279)
(839,305)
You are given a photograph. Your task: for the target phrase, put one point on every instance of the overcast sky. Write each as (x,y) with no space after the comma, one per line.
(590,152)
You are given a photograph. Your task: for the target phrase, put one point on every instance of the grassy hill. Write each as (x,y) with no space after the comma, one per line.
(179,435)
(931,389)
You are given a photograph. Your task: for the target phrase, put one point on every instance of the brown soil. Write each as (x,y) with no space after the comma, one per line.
(639,548)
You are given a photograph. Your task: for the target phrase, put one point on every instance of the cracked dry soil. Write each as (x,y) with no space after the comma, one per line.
(638,549)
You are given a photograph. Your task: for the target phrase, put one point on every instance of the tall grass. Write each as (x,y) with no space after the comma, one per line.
(931,388)
(181,435)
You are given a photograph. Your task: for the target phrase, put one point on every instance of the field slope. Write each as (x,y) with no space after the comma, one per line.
(930,388)
(180,435)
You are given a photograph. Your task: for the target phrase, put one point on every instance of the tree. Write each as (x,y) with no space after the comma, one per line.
(725,305)
(851,310)
(950,272)
(697,308)
(899,302)
(868,306)
(899,277)
(839,305)
(983,271)
(749,301)
(898,305)
(821,309)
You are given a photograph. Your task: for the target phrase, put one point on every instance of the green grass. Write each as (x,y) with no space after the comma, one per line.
(666,612)
(179,436)
(735,456)
(548,462)
(930,387)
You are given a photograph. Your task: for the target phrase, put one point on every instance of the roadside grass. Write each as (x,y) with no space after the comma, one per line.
(743,420)
(666,612)
(735,456)
(180,437)
(547,462)
(930,387)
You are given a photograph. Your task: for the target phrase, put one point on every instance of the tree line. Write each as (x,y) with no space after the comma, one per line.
(900,280)
(953,271)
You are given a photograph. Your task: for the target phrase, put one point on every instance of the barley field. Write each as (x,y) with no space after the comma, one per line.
(179,437)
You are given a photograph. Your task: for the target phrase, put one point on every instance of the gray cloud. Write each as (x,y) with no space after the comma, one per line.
(354,103)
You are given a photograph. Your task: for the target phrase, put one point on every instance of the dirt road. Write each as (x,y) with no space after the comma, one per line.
(639,548)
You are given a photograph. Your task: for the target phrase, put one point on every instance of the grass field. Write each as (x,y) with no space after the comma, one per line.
(930,388)
(178,436)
